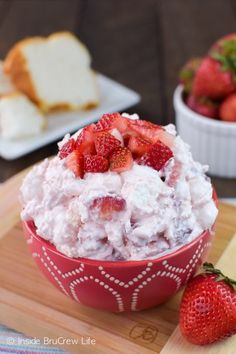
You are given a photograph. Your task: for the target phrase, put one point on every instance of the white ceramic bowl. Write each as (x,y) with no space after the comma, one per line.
(212,142)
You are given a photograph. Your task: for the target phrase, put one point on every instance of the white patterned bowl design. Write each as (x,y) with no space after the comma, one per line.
(118,286)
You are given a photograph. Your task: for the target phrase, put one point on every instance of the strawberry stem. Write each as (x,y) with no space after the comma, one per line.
(210,269)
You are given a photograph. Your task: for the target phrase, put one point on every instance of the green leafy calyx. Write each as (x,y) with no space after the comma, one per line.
(225,54)
(210,269)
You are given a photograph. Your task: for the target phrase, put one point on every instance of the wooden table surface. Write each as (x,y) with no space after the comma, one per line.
(141,44)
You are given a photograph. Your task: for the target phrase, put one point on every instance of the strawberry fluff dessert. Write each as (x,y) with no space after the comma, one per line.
(120,189)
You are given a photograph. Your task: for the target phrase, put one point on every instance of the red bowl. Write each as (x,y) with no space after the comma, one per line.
(119,285)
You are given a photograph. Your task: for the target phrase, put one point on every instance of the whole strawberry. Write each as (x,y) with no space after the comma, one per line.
(215,77)
(228,108)
(187,73)
(226,41)
(208,307)
(203,106)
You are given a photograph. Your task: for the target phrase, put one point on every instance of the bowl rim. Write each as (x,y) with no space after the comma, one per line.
(31,229)
(179,103)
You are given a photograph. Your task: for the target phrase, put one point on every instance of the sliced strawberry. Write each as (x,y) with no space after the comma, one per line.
(145,130)
(105,143)
(85,140)
(111,121)
(67,148)
(156,157)
(106,121)
(75,162)
(138,146)
(150,132)
(145,124)
(166,138)
(121,123)
(121,160)
(108,205)
(95,163)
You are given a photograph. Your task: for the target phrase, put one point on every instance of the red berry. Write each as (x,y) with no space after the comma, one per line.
(138,146)
(156,157)
(187,73)
(145,130)
(108,205)
(166,138)
(95,163)
(203,106)
(226,42)
(105,143)
(228,108)
(111,121)
(85,140)
(67,148)
(145,124)
(106,121)
(120,123)
(121,160)
(75,162)
(212,80)
(208,308)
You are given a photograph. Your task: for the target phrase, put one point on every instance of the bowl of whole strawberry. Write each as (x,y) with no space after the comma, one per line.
(205,106)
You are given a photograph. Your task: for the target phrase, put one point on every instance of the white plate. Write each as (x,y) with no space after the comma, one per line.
(113,97)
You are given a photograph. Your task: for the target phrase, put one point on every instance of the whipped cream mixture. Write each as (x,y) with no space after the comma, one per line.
(164,209)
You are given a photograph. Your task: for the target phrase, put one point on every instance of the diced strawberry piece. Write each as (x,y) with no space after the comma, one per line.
(120,123)
(145,124)
(111,121)
(85,140)
(121,160)
(174,175)
(166,138)
(67,148)
(105,143)
(108,205)
(106,121)
(146,130)
(75,162)
(156,157)
(151,132)
(138,146)
(95,163)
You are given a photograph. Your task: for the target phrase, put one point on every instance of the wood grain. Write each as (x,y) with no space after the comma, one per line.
(29,303)
(10,206)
